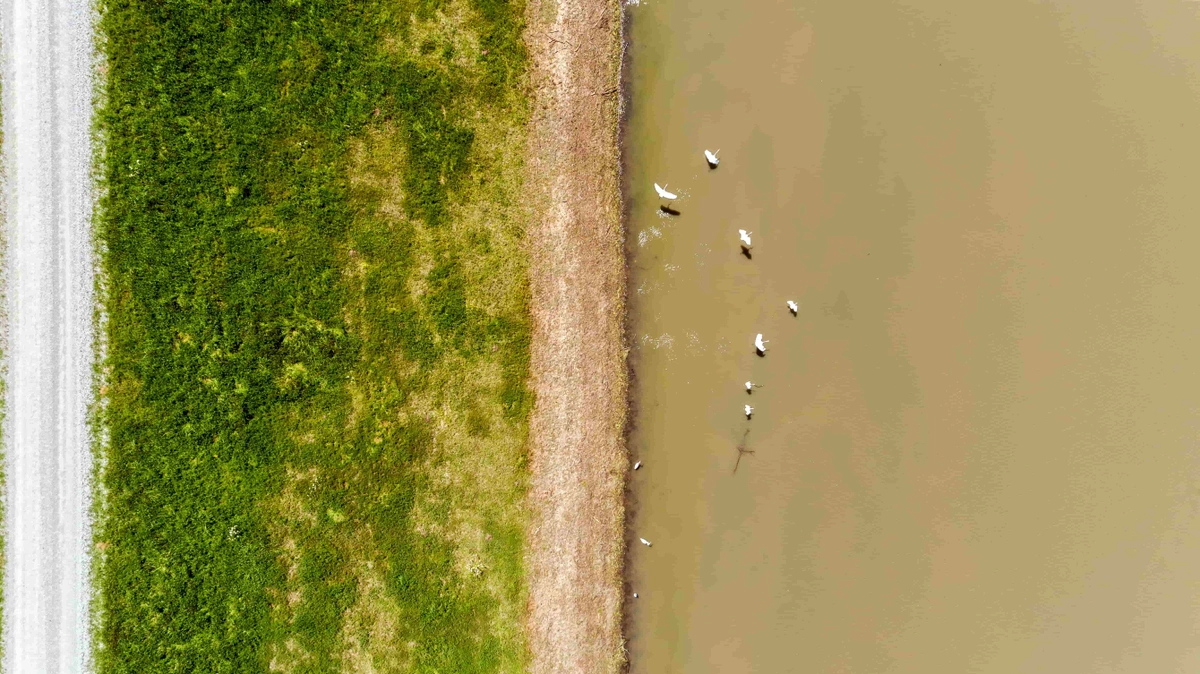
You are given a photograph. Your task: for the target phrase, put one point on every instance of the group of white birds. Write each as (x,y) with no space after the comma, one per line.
(760,347)
(760,344)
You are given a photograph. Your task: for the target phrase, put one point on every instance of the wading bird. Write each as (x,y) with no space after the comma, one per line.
(745,237)
(637,465)
(644,542)
(664,194)
(711,157)
(793,307)
(760,344)
(749,411)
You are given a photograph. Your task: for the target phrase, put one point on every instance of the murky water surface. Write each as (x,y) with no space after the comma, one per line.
(975,449)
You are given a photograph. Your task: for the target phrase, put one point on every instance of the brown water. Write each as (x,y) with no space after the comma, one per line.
(975,450)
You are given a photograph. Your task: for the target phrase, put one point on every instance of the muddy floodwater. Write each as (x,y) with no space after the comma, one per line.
(977,446)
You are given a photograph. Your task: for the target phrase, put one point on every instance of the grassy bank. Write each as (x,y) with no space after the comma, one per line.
(317,336)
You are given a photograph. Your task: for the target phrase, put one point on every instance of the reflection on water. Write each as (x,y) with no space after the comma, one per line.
(973,448)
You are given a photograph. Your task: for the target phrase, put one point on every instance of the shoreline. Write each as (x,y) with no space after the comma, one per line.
(578,460)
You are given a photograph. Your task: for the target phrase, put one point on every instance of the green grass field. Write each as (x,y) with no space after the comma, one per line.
(317,336)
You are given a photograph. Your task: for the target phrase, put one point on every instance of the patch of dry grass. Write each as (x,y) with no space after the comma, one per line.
(577,452)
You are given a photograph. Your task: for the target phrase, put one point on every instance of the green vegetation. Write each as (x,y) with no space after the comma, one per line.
(317,336)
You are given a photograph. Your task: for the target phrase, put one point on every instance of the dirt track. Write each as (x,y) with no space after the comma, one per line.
(577,452)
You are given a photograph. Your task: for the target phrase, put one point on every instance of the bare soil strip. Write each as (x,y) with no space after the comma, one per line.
(578,459)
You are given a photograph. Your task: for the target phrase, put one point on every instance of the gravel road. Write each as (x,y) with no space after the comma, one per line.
(48,274)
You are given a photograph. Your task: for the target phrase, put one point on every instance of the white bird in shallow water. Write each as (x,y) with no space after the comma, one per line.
(793,307)
(664,194)
(637,465)
(644,542)
(711,158)
(760,344)
(749,411)
(749,387)
(745,237)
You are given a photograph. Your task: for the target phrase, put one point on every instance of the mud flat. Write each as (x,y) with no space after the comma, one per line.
(577,283)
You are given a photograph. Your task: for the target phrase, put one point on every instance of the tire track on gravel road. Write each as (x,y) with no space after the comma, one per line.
(48,63)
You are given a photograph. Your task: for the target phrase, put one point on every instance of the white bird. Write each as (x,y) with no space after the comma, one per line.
(712,158)
(760,344)
(793,307)
(635,595)
(749,387)
(749,411)
(662,193)
(745,237)
(644,542)
(637,465)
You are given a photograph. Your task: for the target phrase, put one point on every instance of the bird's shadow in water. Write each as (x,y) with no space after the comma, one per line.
(668,210)
(761,353)
(746,252)
(741,450)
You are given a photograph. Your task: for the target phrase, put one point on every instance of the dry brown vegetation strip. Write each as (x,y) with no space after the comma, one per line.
(577,277)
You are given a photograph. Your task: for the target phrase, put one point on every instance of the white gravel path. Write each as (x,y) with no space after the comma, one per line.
(48,271)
